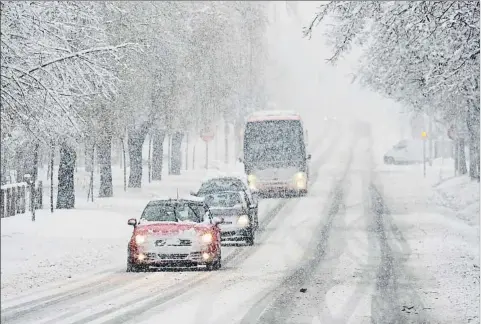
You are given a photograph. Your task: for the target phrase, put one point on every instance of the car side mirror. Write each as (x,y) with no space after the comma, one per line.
(218,220)
(132,222)
(309,156)
(192,193)
(240,160)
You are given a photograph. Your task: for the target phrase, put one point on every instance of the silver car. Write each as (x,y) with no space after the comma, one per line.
(238,224)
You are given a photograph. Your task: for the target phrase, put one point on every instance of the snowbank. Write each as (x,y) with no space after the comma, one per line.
(59,246)
(461,196)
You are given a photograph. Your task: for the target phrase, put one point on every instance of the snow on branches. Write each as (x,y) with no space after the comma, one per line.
(67,64)
(55,57)
(423,53)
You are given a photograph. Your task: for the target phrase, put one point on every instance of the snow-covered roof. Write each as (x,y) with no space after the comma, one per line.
(173,199)
(274,114)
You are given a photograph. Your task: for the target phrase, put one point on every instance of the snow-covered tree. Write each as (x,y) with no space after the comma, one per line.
(90,72)
(422,53)
(56,58)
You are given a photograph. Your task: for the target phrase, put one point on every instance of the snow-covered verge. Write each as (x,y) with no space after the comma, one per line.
(461,196)
(55,247)
(438,224)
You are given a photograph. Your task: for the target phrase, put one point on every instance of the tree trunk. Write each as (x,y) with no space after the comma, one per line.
(35,161)
(462,168)
(135,143)
(104,152)
(149,159)
(52,155)
(88,156)
(176,153)
(472,123)
(21,165)
(124,163)
(473,160)
(238,147)
(226,142)
(169,153)
(3,164)
(158,138)
(66,170)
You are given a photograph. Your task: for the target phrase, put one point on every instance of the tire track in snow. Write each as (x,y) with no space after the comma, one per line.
(364,268)
(274,306)
(115,280)
(235,258)
(396,300)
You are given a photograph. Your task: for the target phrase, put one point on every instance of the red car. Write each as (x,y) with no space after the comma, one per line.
(175,233)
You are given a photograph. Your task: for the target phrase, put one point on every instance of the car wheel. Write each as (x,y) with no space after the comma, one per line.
(216,265)
(390,160)
(134,267)
(250,238)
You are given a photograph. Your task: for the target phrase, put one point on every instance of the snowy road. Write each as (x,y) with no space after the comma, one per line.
(340,243)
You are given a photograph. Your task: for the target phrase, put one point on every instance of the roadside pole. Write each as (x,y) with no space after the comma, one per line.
(206,155)
(424,136)
(207,135)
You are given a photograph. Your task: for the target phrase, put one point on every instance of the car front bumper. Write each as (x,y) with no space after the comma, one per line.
(266,188)
(235,233)
(180,259)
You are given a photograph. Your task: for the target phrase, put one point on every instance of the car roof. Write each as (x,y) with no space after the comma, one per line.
(225,191)
(192,199)
(225,178)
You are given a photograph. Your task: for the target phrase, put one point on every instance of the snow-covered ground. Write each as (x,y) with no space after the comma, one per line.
(369,242)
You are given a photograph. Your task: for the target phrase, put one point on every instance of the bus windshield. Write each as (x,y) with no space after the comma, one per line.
(274,141)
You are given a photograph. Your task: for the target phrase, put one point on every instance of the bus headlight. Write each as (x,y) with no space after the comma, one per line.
(300,180)
(243,220)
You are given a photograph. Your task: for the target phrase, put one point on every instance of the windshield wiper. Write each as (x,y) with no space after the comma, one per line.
(195,213)
(175,215)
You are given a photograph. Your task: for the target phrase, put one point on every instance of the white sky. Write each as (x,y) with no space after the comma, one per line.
(301,80)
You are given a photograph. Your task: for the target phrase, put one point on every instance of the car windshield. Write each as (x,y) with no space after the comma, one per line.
(173,213)
(223,199)
(216,185)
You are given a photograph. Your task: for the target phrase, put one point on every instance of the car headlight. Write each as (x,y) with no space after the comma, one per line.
(251,180)
(207,238)
(139,239)
(243,220)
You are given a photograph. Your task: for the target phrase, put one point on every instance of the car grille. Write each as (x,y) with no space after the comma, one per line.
(172,256)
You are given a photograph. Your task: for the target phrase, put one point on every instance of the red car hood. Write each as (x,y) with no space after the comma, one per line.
(169,228)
